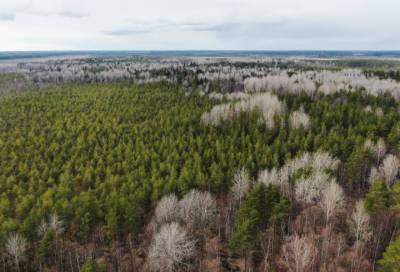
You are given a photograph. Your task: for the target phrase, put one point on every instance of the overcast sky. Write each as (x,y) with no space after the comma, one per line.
(200,24)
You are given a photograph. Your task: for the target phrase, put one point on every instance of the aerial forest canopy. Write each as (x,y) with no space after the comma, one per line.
(199,165)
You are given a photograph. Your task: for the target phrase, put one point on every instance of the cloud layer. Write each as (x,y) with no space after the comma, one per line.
(207,24)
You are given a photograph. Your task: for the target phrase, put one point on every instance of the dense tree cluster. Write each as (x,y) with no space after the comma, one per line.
(267,104)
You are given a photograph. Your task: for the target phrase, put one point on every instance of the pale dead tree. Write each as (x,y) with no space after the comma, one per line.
(217,114)
(327,88)
(300,162)
(378,149)
(298,254)
(197,209)
(299,119)
(324,161)
(374,175)
(216,96)
(359,222)
(379,112)
(241,185)
(309,190)
(320,161)
(279,178)
(268,104)
(369,145)
(167,210)
(368,109)
(390,168)
(267,176)
(56,224)
(16,246)
(237,96)
(171,248)
(42,228)
(332,199)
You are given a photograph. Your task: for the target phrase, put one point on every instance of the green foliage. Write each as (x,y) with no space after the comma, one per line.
(395,195)
(358,166)
(45,245)
(104,154)
(391,258)
(377,198)
(92,266)
(380,197)
(280,211)
(262,206)
(86,212)
(8,226)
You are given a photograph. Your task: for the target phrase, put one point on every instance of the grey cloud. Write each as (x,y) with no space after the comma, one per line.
(285,29)
(139,27)
(199,27)
(73,14)
(7,17)
(282,29)
(125,32)
(28,7)
(65,13)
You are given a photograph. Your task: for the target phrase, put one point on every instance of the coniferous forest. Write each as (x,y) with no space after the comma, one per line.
(199,165)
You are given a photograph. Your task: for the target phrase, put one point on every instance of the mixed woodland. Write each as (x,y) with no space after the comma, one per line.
(193,166)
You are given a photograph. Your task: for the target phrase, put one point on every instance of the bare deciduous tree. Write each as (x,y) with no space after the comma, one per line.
(319,161)
(297,254)
(379,112)
(378,149)
(197,209)
(171,248)
(324,161)
(390,168)
(268,104)
(359,222)
(56,224)
(369,145)
(42,228)
(298,119)
(279,178)
(309,190)
(332,199)
(16,247)
(374,174)
(241,185)
(167,210)
(217,114)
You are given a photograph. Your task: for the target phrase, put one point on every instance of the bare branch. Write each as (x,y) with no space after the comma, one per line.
(297,254)
(197,209)
(171,248)
(359,222)
(332,199)
(390,168)
(167,210)
(16,247)
(241,185)
(299,119)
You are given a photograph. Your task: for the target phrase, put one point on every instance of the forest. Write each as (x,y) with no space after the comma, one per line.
(199,165)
